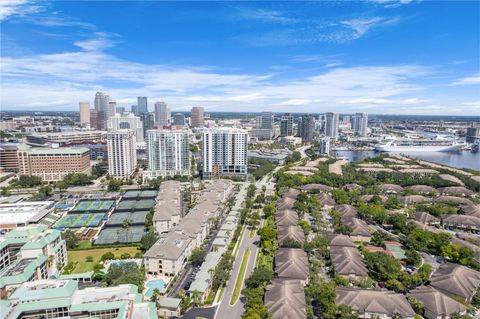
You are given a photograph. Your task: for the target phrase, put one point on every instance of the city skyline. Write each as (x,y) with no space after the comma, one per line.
(379,57)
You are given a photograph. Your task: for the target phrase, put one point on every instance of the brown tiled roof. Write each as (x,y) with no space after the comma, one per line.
(320,187)
(374,301)
(457,190)
(285,299)
(390,188)
(325,199)
(293,232)
(413,199)
(286,217)
(456,280)
(436,304)
(291,263)
(425,218)
(347,261)
(424,189)
(341,241)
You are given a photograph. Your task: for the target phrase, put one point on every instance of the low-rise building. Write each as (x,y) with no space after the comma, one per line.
(169,208)
(285,299)
(456,281)
(277,156)
(30,253)
(436,304)
(369,303)
(170,253)
(53,164)
(64,299)
(13,215)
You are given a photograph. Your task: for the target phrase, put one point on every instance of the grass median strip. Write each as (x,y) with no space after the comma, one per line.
(240,277)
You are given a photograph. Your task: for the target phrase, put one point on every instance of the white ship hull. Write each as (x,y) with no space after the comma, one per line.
(418,148)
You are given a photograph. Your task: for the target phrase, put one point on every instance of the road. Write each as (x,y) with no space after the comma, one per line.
(224,309)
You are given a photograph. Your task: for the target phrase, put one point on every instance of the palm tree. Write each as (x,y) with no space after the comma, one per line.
(196,298)
(155,295)
(126,225)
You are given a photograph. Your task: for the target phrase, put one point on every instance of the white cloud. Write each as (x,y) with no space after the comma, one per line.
(362,25)
(268,16)
(474,79)
(9,8)
(59,81)
(100,42)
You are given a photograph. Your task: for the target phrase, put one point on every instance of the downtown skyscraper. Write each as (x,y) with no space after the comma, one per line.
(360,124)
(331,125)
(197,119)
(306,127)
(162,114)
(142,105)
(102,108)
(286,125)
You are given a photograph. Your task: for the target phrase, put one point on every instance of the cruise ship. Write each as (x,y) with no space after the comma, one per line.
(419,145)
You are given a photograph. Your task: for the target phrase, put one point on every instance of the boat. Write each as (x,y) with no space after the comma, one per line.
(417,145)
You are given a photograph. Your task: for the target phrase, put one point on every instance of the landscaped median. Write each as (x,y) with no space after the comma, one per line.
(240,277)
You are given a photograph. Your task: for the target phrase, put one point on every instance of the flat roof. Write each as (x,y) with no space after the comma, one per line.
(23,212)
(59,151)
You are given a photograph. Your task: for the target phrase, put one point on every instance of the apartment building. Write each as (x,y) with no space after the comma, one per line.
(122,159)
(331,125)
(126,121)
(168,153)
(30,253)
(224,152)
(64,299)
(169,208)
(52,164)
(170,253)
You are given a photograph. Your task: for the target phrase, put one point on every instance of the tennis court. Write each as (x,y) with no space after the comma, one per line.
(118,218)
(114,235)
(93,206)
(135,205)
(80,220)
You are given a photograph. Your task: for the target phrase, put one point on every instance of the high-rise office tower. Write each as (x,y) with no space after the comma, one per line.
(197,119)
(162,114)
(286,125)
(325,146)
(168,153)
(94,119)
(122,154)
(101,106)
(84,113)
(112,109)
(142,104)
(306,127)
(120,109)
(224,152)
(360,123)
(148,122)
(473,133)
(331,125)
(178,119)
(126,121)
(134,109)
(267,120)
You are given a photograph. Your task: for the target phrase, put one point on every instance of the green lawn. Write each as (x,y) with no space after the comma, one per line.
(241,276)
(78,257)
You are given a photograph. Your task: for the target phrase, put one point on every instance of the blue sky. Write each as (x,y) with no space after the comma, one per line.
(381,56)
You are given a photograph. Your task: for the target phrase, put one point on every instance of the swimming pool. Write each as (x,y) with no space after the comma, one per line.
(152,285)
